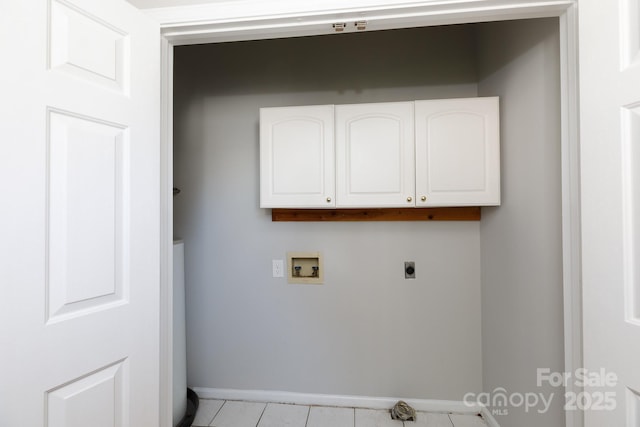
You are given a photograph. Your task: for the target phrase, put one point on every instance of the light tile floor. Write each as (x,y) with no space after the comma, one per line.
(229,413)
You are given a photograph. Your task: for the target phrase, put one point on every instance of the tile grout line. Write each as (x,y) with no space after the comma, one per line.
(308,413)
(217,412)
(262,413)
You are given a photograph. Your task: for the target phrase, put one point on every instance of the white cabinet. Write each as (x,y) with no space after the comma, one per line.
(297,164)
(443,152)
(458,152)
(375,162)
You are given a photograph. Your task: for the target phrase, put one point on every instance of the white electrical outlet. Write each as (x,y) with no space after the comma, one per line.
(278,268)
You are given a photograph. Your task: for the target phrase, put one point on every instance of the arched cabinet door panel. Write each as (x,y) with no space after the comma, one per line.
(297,157)
(375,164)
(458,152)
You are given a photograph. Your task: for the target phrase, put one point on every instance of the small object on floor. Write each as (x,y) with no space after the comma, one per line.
(402,411)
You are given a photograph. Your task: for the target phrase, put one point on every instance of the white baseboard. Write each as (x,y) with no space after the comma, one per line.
(430,405)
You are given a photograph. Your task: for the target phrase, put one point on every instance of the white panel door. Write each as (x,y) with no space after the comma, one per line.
(297,167)
(375,159)
(458,152)
(610,170)
(79,184)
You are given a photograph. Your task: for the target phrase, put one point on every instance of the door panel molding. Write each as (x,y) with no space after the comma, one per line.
(88,177)
(104,63)
(98,399)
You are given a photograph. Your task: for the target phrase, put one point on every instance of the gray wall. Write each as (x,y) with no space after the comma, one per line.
(522,324)
(367,330)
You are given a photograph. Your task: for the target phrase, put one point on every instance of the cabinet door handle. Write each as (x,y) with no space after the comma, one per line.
(409,199)
(328,199)
(423,198)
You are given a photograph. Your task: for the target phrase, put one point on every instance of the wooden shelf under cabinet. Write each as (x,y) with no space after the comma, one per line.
(465,213)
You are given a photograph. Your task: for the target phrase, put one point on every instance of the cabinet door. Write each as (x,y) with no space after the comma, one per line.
(375,159)
(457,152)
(297,168)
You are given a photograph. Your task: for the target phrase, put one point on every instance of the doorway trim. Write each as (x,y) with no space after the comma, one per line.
(236,20)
